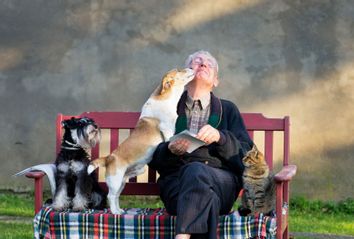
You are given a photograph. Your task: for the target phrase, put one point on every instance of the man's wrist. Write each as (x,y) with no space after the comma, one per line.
(222,139)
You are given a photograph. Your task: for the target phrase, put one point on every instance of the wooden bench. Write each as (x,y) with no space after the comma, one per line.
(270,128)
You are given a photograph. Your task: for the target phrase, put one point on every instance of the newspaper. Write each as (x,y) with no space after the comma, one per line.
(194,142)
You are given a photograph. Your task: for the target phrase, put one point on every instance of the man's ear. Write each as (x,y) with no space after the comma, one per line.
(216,81)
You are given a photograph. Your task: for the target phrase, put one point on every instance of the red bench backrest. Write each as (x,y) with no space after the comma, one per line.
(115,121)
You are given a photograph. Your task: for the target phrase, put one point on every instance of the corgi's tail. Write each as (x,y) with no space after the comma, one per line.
(100,162)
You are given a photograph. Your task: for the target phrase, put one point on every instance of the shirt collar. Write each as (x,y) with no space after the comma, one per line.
(204,100)
(216,112)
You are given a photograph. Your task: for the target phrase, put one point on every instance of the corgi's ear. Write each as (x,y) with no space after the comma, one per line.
(167,83)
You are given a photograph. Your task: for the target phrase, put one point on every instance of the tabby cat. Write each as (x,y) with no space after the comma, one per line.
(258,184)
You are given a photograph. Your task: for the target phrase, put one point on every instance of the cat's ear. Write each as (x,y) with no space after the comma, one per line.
(255,150)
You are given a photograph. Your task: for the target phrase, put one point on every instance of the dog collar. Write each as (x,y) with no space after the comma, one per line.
(69,143)
(74,147)
(70,148)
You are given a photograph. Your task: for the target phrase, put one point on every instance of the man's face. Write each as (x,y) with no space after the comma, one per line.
(205,69)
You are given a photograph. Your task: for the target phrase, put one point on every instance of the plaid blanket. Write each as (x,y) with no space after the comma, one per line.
(140,223)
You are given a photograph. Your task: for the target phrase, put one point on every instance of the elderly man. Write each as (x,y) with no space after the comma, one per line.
(201,185)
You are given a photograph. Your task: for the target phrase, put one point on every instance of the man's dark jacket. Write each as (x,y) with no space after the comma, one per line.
(227,153)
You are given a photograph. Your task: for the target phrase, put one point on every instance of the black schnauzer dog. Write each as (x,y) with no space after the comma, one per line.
(74,187)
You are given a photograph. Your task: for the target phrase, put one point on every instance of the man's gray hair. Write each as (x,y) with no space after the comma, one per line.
(206,53)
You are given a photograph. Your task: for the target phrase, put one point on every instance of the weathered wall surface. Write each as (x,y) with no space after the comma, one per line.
(279,57)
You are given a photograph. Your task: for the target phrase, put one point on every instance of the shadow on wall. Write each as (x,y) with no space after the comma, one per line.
(278,57)
(321,134)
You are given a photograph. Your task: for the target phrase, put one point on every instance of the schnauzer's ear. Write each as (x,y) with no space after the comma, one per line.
(64,123)
(86,121)
(68,123)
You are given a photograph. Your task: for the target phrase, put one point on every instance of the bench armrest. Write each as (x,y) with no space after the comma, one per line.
(38,189)
(286,173)
(35,175)
(37,172)
(282,180)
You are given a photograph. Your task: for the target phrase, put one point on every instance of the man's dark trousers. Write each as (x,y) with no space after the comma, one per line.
(198,194)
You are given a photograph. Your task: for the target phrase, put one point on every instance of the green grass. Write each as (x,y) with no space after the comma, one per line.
(322,217)
(340,224)
(141,201)
(16,204)
(305,216)
(16,230)
(20,205)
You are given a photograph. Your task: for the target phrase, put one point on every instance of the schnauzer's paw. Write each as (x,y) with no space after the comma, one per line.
(60,206)
(79,203)
(78,208)
(61,202)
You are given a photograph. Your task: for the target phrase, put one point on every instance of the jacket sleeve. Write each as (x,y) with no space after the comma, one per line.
(235,141)
(163,161)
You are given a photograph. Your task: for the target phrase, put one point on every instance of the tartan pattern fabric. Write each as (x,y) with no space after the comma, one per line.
(140,224)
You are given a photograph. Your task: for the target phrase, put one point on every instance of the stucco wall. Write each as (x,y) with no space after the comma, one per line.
(279,57)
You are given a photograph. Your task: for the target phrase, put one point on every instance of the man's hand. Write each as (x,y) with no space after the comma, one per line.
(208,134)
(178,146)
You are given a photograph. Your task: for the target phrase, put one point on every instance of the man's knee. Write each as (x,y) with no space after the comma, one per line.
(194,171)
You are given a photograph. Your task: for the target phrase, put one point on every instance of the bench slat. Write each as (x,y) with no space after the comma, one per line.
(256,121)
(268,149)
(114,141)
(114,120)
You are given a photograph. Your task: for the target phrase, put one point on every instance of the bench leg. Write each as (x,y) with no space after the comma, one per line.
(38,194)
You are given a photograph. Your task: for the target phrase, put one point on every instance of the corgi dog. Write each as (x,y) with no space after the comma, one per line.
(155,125)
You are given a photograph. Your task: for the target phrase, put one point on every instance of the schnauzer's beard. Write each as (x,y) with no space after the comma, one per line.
(87,137)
